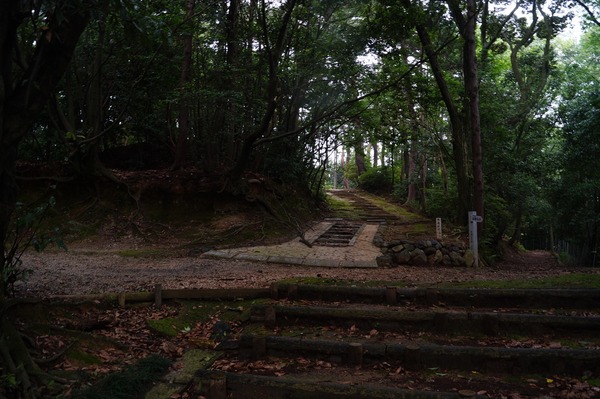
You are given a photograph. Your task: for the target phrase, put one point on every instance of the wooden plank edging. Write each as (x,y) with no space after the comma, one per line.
(169,294)
(249,385)
(572,362)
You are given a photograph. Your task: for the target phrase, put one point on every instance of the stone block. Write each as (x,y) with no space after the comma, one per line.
(429,250)
(457,259)
(398,248)
(402,258)
(469,258)
(418,257)
(385,261)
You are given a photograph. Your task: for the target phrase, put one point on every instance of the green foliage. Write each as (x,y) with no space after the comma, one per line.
(8,381)
(442,204)
(400,190)
(376,180)
(26,232)
(565,258)
(125,88)
(576,195)
(497,217)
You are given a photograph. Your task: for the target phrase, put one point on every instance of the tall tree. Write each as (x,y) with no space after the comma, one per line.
(466,25)
(27,81)
(183,121)
(456,113)
(575,193)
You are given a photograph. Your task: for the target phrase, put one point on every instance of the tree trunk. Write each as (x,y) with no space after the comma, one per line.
(274,54)
(20,102)
(182,144)
(8,200)
(444,172)
(516,236)
(411,194)
(457,125)
(359,159)
(466,26)
(412,146)
(423,184)
(472,89)
(375,154)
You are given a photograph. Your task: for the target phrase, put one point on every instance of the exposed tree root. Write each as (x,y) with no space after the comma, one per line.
(30,378)
(17,362)
(59,355)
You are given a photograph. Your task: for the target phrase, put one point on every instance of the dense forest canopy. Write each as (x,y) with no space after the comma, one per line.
(451,106)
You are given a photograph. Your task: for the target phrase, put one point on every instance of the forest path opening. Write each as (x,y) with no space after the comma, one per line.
(345,241)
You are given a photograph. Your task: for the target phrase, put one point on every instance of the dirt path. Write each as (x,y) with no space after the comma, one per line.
(95,266)
(87,270)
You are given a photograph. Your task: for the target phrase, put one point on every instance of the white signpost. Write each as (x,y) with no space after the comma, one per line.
(473,244)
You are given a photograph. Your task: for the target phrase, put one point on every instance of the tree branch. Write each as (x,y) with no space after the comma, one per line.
(588,11)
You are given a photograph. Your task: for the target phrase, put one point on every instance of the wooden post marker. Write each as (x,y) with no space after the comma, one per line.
(412,357)
(441,322)
(217,386)
(259,347)
(355,354)
(158,295)
(274,287)
(270,317)
(390,295)
(292,293)
(121,299)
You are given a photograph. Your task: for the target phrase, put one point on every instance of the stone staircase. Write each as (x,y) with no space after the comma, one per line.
(388,342)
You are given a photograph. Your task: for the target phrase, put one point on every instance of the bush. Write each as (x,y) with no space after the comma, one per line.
(440,204)
(132,382)
(376,180)
(25,232)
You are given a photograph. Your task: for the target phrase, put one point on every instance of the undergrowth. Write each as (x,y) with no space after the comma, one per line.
(130,383)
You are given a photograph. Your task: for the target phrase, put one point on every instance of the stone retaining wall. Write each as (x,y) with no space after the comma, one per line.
(424,252)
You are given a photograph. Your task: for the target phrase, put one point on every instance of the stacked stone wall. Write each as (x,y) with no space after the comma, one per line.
(424,252)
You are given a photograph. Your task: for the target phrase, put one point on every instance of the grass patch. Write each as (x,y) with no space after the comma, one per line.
(193,312)
(574,280)
(130,383)
(82,357)
(340,282)
(417,229)
(595,382)
(340,207)
(394,209)
(315,281)
(144,253)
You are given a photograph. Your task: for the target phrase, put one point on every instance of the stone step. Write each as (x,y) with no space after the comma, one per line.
(221,385)
(473,298)
(438,321)
(412,356)
(341,233)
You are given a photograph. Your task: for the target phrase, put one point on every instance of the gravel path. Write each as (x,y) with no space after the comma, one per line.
(94,266)
(90,272)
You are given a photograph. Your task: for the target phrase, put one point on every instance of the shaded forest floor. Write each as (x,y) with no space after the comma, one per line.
(89,270)
(161,242)
(115,245)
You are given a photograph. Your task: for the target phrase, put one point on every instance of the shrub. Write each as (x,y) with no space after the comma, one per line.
(376,180)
